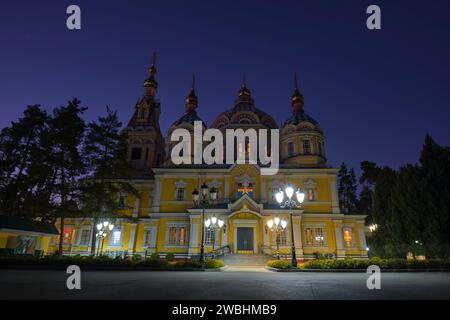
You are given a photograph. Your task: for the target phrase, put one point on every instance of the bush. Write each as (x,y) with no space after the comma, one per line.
(154,256)
(152,263)
(170,257)
(214,264)
(279,264)
(350,263)
(186,264)
(136,257)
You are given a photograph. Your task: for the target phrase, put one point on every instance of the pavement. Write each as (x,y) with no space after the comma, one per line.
(236,285)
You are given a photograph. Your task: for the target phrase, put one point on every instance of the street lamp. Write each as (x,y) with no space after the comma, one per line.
(277,225)
(291,203)
(103,229)
(203,201)
(214,223)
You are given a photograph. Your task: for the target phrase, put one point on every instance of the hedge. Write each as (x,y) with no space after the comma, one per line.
(349,263)
(104,261)
(279,264)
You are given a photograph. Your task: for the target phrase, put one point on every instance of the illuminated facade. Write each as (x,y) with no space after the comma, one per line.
(163,218)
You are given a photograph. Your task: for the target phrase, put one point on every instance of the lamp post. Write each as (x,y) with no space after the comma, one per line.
(203,201)
(277,225)
(103,229)
(214,223)
(291,203)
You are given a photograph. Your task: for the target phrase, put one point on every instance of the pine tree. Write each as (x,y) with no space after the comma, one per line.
(106,152)
(65,138)
(347,189)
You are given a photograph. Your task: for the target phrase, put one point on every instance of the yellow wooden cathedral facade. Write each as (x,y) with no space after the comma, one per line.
(164,219)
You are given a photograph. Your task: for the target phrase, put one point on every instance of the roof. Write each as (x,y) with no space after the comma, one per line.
(298,117)
(26,224)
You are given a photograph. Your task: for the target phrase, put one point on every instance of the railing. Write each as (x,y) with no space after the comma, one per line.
(274,252)
(218,252)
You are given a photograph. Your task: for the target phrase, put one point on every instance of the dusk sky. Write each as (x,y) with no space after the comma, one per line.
(375,93)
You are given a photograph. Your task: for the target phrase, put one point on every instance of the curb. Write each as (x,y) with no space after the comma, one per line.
(355,270)
(94,268)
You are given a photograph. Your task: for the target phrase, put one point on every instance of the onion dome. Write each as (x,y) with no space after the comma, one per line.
(150,84)
(191,109)
(298,113)
(244,114)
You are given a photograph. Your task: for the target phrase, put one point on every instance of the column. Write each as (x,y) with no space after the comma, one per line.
(194,233)
(340,251)
(137,204)
(263,190)
(132,239)
(157,195)
(334,195)
(297,235)
(362,239)
(226,196)
(266,236)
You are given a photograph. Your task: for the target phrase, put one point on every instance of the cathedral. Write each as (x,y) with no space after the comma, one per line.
(164,218)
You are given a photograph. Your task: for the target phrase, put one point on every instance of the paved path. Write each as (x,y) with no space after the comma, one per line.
(245,262)
(15,284)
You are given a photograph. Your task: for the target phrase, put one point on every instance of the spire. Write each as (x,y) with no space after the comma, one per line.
(244,92)
(191,99)
(297,97)
(150,84)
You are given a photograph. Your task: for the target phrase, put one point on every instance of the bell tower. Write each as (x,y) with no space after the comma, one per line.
(145,141)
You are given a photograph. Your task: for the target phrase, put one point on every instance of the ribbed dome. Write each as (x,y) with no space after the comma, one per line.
(188,117)
(298,117)
(245,113)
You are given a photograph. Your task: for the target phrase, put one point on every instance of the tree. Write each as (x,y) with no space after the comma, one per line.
(347,189)
(108,169)
(21,162)
(64,141)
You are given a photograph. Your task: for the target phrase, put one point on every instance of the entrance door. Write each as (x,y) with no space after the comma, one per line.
(245,239)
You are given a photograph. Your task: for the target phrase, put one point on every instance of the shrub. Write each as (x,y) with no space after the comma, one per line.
(214,264)
(152,263)
(279,264)
(170,257)
(186,264)
(154,256)
(137,257)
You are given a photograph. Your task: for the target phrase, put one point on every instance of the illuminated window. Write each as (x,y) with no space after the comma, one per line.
(68,236)
(315,237)
(85,236)
(310,194)
(177,236)
(115,238)
(348,237)
(280,237)
(306,147)
(241,151)
(122,200)
(210,236)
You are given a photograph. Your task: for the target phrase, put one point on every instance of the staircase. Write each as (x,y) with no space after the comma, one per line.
(246,260)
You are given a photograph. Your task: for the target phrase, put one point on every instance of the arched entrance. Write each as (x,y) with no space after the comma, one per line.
(245,232)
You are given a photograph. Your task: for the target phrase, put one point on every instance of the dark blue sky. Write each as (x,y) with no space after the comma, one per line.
(375,93)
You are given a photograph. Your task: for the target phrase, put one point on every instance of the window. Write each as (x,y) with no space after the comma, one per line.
(290,149)
(115,238)
(315,237)
(306,147)
(310,194)
(244,188)
(85,236)
(68,236)
(348,237)
(280,237)
(147,238)
(180,194)
(177,236)
(210,236)
(273,192)
(122,200)
(136,153)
